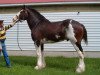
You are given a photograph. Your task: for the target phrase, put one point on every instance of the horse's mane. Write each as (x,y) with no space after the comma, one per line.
(41,17)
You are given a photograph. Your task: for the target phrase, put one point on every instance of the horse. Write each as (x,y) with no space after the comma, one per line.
(44,31)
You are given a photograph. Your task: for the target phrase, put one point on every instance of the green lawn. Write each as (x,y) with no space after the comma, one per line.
(22,65)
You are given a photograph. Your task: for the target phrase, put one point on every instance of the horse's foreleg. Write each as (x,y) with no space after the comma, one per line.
(40,63)
(81,65)
(43,58)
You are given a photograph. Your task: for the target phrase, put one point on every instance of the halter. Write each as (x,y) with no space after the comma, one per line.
(17,17)
(16,21)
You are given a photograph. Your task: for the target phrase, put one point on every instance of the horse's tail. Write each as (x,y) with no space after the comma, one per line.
(85,35)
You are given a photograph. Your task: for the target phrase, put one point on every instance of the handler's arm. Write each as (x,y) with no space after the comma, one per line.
(9,26)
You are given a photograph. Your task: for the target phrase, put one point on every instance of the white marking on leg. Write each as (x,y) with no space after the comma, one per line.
(70,33)
(81,65)
(43,60)
(39,58)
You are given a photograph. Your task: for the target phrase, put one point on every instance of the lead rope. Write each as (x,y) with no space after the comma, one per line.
(18,36)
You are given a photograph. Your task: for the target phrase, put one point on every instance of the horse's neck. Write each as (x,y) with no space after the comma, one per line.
(30,24)
(33,24)
(33,21)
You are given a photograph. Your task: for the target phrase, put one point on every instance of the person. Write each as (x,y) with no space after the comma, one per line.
(3,30)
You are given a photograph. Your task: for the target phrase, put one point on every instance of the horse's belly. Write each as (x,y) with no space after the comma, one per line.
(51,40)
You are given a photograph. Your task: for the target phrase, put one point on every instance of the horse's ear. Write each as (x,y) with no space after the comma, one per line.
(24,7)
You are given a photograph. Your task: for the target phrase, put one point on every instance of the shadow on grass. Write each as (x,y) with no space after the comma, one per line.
(23,60)
(60,63)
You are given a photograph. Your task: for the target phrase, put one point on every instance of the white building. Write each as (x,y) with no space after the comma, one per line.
(54,10)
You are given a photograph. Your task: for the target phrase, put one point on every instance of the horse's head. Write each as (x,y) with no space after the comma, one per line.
(21,15)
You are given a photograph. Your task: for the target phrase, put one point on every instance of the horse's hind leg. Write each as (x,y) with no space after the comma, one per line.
(77,45)
(40,57)
(81,65)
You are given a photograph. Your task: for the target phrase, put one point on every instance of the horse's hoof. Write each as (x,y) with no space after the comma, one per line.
(36,67)
(39,67)
(80,70)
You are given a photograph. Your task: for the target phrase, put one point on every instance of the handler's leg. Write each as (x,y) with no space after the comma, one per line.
(0,51)
(5,53)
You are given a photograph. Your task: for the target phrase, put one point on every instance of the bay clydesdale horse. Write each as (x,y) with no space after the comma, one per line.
(43,31)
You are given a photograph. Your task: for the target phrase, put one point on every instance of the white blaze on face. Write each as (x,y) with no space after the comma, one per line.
(19,12)
(15,18)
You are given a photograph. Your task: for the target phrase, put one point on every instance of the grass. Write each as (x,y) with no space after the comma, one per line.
(22,65)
